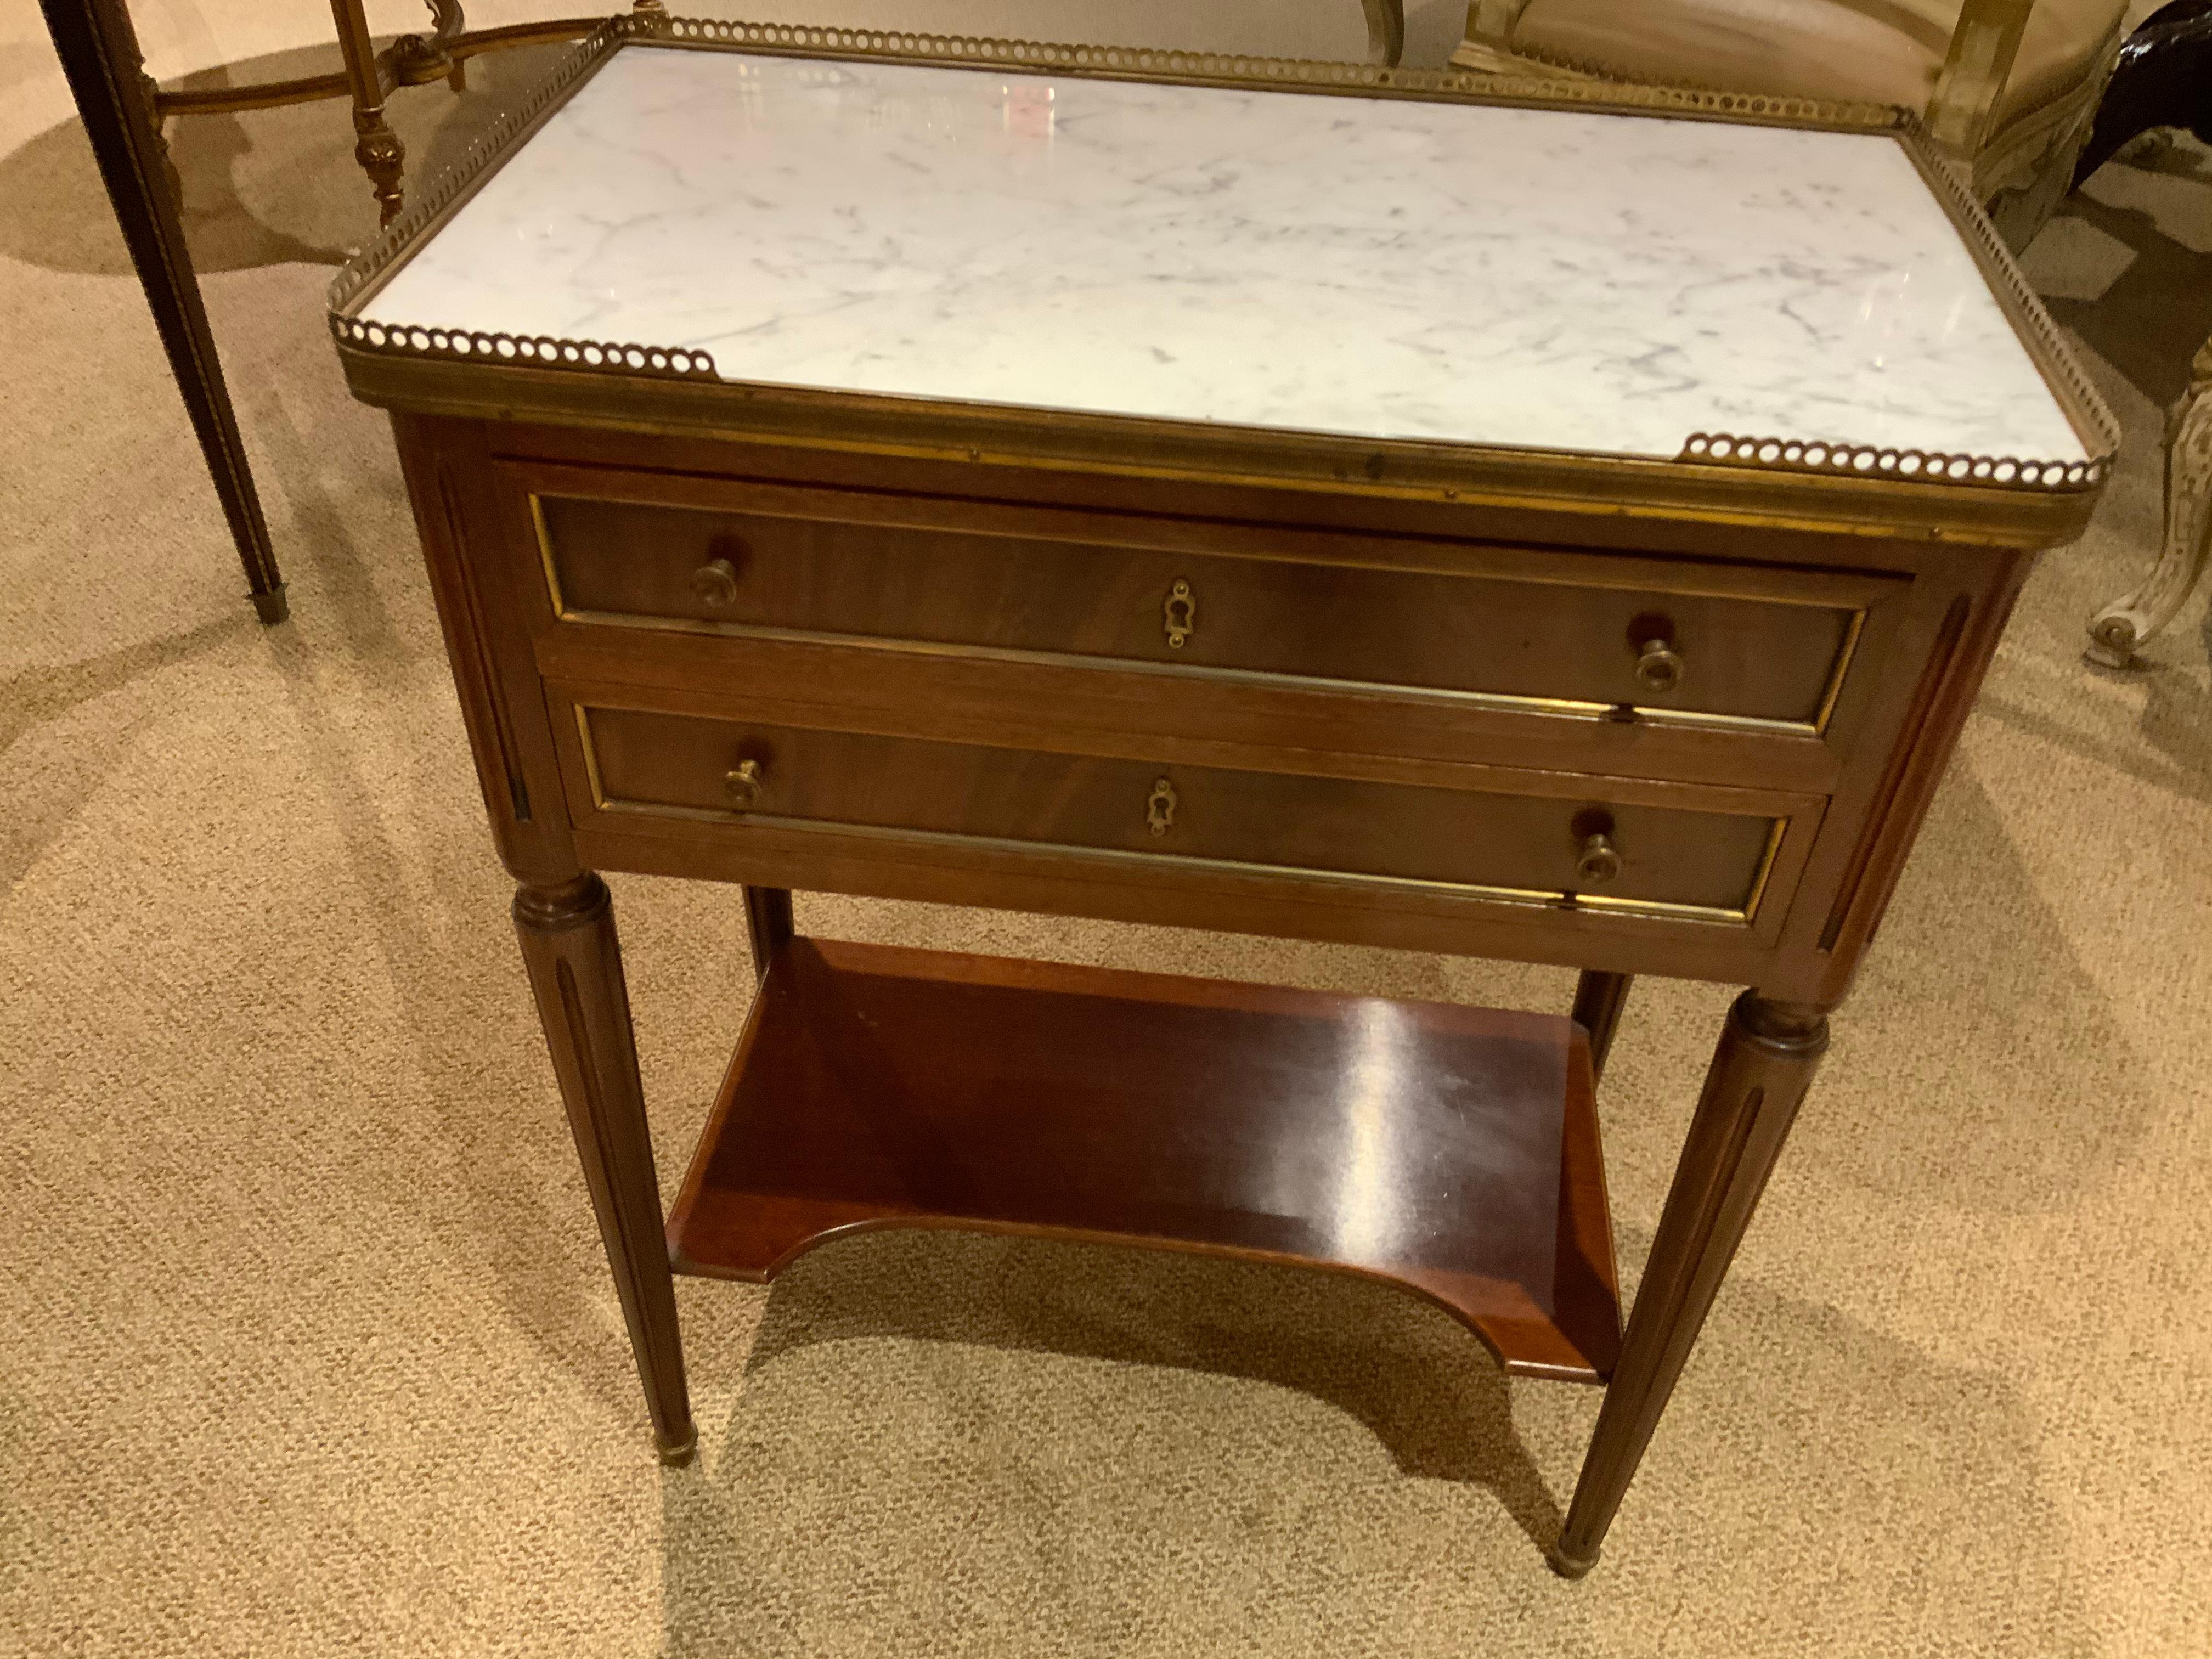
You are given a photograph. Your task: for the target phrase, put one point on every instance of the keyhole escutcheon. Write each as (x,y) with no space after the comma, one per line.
(1179,611)
(1160,808)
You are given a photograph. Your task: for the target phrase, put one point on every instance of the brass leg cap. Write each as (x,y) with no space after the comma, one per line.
(677,1456)
(272,607)
(1568,1566)
(2111,643)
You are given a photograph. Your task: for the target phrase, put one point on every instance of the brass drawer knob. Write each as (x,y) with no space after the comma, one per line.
(1600,861)
(1160,808)
(715,584)
(1179,614)
(1658,667)
(745,785)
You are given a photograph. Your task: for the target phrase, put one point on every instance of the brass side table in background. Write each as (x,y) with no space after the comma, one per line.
(99,52)
(122,111)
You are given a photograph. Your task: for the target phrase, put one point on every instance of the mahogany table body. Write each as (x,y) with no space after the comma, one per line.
(745,605)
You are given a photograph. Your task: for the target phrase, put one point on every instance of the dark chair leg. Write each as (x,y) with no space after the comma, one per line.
(1599,998)
(100,55)
(2163,79)
(767,920)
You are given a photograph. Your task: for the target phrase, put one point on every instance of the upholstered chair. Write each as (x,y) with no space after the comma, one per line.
(2010,86)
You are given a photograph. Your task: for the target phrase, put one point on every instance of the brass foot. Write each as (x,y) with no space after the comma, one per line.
(678,1455)
(272,607)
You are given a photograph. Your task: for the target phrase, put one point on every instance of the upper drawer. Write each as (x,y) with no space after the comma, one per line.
(1563,631)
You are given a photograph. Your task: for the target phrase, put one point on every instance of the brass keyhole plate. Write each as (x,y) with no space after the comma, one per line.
(1160,808)
(1179,614)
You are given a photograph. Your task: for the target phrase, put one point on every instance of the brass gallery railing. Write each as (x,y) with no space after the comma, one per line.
(122,111)
(415,60)
(370,75)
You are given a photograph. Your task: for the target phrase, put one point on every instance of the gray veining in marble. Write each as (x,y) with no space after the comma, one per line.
(1535,278)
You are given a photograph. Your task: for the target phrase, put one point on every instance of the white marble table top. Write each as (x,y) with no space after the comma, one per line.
(1377,267)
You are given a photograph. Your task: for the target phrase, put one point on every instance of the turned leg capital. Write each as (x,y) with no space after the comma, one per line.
(553,907)
(1796,1030)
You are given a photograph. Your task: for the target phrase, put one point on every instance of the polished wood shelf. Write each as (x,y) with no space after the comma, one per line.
(1454,1150)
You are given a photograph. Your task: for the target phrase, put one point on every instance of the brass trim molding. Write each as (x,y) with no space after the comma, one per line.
(1528,897)
(1498,702)
(1816,485)
(1843,658)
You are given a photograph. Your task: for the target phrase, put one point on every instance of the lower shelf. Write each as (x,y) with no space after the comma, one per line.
(1451,1150)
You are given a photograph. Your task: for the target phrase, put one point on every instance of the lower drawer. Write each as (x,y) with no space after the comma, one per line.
(1603,844)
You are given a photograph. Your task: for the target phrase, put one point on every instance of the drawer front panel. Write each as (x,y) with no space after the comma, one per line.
(1638,634)
(1676,860)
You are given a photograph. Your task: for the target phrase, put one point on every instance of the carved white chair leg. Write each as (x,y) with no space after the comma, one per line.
(2124,625)
(1490,25)
(1386,31)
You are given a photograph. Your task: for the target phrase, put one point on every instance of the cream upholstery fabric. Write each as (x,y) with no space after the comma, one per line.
(1888,51)
(2065,40)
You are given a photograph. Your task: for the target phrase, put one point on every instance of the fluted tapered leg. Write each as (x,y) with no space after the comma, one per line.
(569,942)
(1767,1054)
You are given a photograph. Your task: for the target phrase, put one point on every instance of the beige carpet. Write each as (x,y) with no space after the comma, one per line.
(306,1344)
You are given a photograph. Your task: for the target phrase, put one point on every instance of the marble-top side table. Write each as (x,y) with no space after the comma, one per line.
(1553,522)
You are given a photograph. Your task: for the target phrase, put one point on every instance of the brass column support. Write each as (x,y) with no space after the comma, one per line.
(377,147)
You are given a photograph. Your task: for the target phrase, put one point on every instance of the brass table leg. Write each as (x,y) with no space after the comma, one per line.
(99,52)
(1767,1054)
(568,932)
(376,146)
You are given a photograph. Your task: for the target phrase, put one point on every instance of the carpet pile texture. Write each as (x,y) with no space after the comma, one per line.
(309,1348)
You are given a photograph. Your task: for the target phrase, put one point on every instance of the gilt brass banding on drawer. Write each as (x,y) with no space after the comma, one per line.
(1686,861)
(1550,632)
